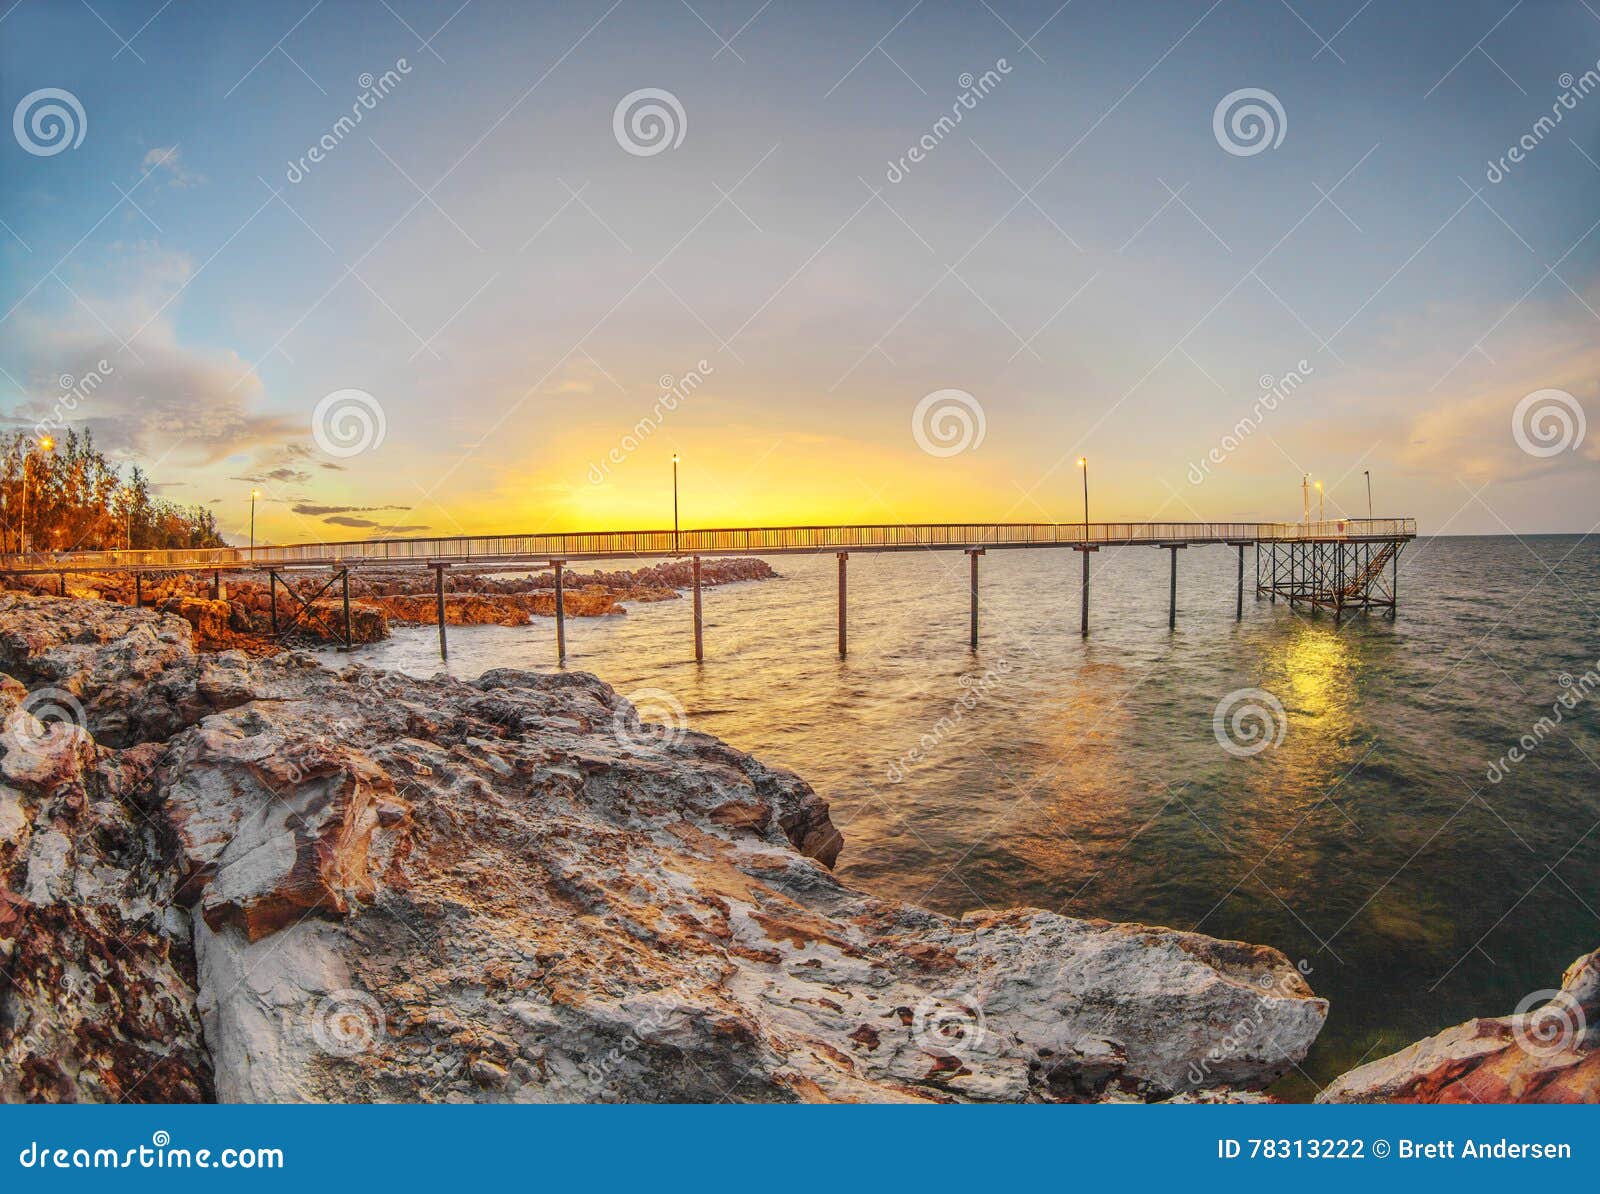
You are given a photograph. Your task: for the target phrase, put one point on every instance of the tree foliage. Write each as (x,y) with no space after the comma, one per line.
(69,497)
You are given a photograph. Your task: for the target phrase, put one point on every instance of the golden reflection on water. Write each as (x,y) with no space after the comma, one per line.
(1084,802)
(1319,683)
(1322,671)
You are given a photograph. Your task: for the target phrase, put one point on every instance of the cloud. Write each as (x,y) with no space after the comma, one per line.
(167,158)
(280,476)
(366,524)
(315,511)
(153,397)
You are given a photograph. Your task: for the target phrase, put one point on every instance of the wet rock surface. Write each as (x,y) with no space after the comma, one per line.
(1549,1053)
(272,881)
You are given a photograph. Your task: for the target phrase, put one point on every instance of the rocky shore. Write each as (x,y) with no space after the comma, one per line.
(253,878)
(234,610)
(1548,1053)
(240,878)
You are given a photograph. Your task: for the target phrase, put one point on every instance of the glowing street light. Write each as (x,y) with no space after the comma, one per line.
(45,444)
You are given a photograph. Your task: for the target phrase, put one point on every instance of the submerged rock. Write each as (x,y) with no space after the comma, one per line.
(1549,1053)
(366,886)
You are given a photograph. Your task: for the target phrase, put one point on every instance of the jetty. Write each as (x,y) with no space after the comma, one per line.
(1342,565)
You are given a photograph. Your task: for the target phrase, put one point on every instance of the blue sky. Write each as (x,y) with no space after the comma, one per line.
(1081,255)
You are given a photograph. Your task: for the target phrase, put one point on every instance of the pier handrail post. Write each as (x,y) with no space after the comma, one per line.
(561,611)
(843,556)
(699,640)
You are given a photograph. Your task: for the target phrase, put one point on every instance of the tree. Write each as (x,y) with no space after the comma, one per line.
(69,497)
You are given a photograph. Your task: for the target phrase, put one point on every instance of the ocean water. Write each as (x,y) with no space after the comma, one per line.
(1363,835)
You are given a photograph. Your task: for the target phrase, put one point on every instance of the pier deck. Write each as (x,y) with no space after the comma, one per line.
(1336,564)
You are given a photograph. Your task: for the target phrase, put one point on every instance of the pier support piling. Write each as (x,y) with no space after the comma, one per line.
(438,608)
(1083,593)
(843,556)
(972,638)
(699,639)
(558,566)
(1238,605)
(1172,586)
(344,577)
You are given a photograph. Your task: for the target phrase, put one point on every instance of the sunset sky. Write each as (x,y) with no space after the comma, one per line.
(1081,254)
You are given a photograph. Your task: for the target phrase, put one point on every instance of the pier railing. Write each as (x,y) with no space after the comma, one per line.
(726,541)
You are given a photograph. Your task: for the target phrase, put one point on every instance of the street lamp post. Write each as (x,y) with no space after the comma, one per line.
(1368,474)
(45,444)
(254,494)
(674,503)
(1083,463)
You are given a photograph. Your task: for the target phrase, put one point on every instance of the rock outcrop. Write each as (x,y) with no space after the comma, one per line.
(1549,1053)
(265,880)
(234,610)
